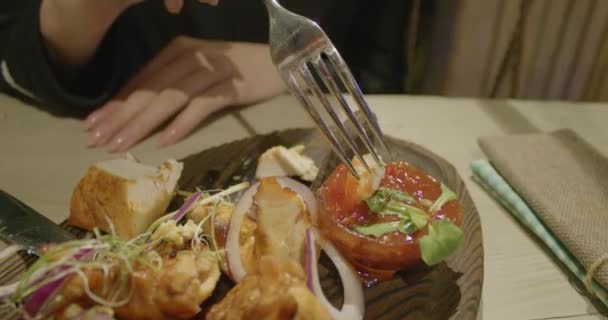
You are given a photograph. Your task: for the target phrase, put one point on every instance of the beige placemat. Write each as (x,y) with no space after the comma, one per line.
(565,181)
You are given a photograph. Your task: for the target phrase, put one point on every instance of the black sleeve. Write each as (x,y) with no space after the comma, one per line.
(27,72)
(375,47)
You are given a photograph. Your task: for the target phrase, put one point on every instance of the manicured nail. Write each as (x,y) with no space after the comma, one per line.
(93,118)
(89,123)
(94,139)
(167,138)
(116,144)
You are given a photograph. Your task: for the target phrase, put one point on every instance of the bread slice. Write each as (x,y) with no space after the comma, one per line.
(125,193)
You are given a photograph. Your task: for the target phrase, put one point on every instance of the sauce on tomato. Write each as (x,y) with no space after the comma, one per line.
(377,259)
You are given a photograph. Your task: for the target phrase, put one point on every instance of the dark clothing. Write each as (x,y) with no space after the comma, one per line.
(369,34)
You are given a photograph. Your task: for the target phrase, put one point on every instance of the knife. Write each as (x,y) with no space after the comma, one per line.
(24,226)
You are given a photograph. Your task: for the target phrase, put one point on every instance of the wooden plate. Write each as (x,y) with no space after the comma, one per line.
(451,290)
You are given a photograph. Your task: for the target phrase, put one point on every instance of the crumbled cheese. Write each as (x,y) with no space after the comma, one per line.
(170,232)
(282,162)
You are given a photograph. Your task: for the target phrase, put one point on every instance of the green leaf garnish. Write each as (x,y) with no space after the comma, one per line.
(407,212)
(396,195)
(378,202)
(418,217)
(426,203)
(385,196)
(411,221)
(390,202)
(407,226)
(378,229)
(446,196)
(443,239)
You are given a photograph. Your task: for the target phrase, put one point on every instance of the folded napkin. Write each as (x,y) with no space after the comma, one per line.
(564,182)
(489,179)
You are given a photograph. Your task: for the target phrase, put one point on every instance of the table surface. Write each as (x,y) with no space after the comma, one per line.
(43,157)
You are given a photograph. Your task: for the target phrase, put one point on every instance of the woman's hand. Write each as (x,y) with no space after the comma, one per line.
(188,80)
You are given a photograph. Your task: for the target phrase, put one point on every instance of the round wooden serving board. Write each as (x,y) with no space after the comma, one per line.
(451,290)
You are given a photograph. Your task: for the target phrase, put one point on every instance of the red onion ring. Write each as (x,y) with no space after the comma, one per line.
(353,307)
(242,208)
(233,247)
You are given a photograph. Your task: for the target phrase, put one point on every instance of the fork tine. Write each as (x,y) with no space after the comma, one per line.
(329,81)
(292,83)
(313,85)
(340,66)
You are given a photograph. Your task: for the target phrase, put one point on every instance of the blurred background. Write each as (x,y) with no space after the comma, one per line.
(530,49)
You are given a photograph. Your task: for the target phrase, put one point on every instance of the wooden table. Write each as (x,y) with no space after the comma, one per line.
(43,157)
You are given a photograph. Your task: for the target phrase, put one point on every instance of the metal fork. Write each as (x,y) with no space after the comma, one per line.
(303,53)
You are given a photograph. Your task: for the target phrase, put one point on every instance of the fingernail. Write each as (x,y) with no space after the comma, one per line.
(116,144)
(89,123)
(92,119)
(94,139)
(167,138)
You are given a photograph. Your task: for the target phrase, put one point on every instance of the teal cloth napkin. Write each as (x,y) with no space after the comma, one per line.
(493,183)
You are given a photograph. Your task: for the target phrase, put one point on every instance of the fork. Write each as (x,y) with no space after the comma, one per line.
(305,57)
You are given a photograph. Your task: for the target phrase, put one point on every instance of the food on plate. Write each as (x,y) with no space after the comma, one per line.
(76,312)
(125,193)
(406,218)
(150,264)
(282,209)
(279,161)
(164,274)
(282,219)
(218,215)
(187,279)
(273,224)
(276,290)
(272,219)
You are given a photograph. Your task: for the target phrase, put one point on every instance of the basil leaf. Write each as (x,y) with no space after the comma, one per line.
(378,229)
(404,211)
(426,203)
(397,195)
(446,196)
(418,217)
(389,202)
(443,239)
(395,209)
(384,196)
(407,226)
(378,202)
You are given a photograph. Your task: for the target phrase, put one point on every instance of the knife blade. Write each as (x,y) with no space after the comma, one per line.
(24,226)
